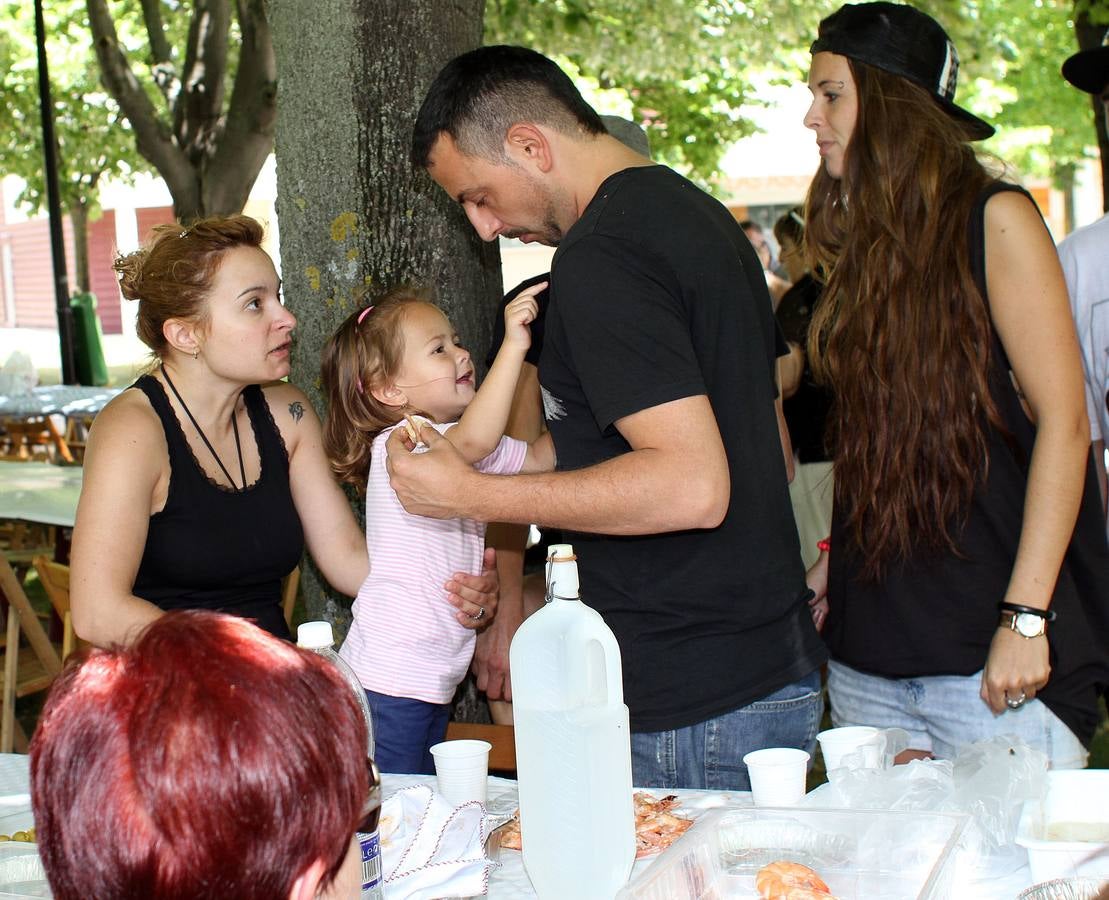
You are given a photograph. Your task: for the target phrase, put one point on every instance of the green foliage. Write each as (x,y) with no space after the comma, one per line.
(685,68)
(93,139)
(1096,11)
(682,68)
(1012,53)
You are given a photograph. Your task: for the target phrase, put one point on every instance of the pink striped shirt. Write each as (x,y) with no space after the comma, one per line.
(404,640)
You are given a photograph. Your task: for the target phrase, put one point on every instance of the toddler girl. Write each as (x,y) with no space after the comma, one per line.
(386,365)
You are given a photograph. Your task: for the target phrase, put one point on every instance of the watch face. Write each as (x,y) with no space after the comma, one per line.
(1028,625)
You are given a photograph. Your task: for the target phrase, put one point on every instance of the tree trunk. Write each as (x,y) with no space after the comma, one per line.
(79,217)
(352,212)
(1089,37)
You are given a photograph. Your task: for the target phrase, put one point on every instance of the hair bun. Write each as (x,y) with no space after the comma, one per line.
(129,267)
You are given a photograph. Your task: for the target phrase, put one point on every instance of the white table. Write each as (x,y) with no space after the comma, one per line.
(509,880)
(39,492)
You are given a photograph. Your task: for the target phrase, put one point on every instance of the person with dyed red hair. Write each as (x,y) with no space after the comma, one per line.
(208,759)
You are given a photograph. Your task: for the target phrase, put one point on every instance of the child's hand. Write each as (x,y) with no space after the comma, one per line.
(519,313)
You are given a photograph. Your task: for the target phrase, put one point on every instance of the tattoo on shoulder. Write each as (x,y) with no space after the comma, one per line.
(296,410)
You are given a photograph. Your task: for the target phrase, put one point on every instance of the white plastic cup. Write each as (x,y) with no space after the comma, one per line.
(836,743)
(777,775)
(462,769)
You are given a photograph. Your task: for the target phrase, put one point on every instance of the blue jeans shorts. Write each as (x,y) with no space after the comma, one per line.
(942,713)
(709,755)
(404,732)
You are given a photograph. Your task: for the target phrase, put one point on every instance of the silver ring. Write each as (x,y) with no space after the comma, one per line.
(481,615)
(1015,704)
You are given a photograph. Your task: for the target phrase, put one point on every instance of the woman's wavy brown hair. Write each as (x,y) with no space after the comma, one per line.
(903,336)
(357,358)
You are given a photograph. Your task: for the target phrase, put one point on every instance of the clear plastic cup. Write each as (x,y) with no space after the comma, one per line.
(777,775)
(462,769)
(837,743)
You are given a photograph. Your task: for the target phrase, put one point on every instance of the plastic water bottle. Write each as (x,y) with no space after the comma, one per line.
(319,638)
(573,744)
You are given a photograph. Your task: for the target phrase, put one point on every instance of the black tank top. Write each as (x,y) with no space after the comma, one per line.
(938,615)
(214,548)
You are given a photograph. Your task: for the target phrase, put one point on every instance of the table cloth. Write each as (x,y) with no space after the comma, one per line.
(57,399)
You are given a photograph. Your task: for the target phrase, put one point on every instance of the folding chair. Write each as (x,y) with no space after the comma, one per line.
(54,577)
(34,438)
(31,673)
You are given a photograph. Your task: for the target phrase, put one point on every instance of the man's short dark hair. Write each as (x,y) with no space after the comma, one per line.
(479,95)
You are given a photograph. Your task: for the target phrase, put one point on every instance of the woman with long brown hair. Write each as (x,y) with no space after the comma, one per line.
(967,576)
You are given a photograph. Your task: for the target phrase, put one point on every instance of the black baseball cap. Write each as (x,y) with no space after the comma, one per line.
(1088,70)
(903,41)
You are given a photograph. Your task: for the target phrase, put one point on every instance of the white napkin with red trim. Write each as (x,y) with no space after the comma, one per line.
(431,849)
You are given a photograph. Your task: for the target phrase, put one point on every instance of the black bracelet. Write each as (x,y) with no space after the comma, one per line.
(1048,614)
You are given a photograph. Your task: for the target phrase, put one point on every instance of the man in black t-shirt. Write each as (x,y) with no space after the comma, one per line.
(658,378)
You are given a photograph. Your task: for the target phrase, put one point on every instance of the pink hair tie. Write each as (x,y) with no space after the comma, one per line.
(364,313)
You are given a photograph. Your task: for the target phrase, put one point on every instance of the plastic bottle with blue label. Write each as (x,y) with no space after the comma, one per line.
(573,744)
(319,638)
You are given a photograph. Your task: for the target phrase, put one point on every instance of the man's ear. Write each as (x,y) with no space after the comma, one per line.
(390,395)
(182,335)
(308,882)
(529,145)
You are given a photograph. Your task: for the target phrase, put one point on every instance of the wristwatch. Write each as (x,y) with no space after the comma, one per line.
(1027,625)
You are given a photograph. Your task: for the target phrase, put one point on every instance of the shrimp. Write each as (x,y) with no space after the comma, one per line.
(656,827)
(785,880)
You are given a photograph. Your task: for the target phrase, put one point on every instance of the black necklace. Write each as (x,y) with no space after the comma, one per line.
(204,437)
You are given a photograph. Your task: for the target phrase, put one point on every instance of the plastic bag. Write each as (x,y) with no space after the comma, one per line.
(992,779)
(988,781)
(18,377)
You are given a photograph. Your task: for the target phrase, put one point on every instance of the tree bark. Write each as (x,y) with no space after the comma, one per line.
(353,214)
(79,218)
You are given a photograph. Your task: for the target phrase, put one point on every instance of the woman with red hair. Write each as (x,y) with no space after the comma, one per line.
(208,759)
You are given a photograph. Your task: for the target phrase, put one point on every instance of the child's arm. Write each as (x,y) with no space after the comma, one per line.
(482,424)
(540,456)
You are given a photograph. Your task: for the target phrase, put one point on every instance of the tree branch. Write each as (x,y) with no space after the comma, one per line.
(196,115)
(247,136)
(152,137)
(161,54)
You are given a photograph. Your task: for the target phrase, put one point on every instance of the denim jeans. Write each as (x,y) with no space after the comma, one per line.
(942,713)
(709,755)
(404,732)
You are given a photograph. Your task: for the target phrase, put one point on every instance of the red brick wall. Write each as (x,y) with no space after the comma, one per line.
(102,281)
(33,272)
(149,217)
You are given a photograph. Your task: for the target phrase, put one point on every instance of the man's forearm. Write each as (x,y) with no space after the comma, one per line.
(630,494)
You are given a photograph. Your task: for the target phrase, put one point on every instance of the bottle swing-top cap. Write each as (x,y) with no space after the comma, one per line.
(315,635)
(562,573)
